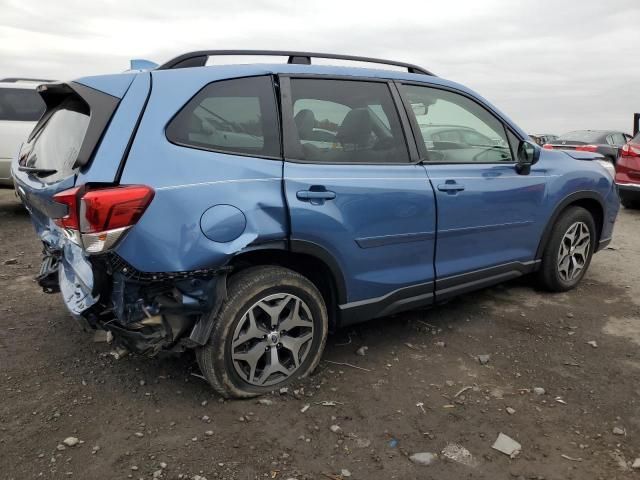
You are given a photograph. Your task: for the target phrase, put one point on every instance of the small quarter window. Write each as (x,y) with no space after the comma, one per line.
(236,116)
(455,129)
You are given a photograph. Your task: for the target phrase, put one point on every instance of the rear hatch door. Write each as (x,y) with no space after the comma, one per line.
(60,145)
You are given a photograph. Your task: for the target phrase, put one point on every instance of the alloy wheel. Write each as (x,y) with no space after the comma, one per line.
(272,339)
(574,251)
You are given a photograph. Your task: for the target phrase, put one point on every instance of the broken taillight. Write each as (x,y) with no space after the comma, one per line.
(98,216)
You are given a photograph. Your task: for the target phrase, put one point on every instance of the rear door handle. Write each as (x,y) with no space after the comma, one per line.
(450,186)
(305,195)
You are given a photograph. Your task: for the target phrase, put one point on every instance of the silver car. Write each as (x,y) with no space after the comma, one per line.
(20,108)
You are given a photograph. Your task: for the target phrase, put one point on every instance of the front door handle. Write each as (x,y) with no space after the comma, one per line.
(311,195)
(451,187)
(316,195)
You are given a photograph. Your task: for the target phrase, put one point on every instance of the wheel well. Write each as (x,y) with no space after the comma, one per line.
(307,265)
(595,209)
(593,206)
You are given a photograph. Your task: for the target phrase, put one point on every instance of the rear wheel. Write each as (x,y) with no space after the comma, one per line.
(569,250)
(270,331)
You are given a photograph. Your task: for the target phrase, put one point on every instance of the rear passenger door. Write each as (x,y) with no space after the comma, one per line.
(355,193)
(488,221)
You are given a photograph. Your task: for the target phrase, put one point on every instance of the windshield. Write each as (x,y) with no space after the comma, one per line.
(582,136)
(20,105)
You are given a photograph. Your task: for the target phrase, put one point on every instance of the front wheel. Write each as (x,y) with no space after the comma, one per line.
(569,250)
(270,331)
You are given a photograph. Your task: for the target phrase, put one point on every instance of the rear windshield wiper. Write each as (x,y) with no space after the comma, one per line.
(43,172)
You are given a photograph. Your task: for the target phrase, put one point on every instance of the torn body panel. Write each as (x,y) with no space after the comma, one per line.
(146,313)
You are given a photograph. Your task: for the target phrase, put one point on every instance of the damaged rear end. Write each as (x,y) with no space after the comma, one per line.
(68,176)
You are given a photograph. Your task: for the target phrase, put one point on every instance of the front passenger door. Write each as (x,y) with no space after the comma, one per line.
(488,222)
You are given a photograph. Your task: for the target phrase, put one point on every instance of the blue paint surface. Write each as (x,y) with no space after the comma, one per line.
(388,227)
(223,223)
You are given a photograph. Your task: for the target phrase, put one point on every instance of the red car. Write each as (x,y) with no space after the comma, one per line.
(628,173)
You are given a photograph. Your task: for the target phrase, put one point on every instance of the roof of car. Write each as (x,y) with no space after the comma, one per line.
(21,83)
(211,73)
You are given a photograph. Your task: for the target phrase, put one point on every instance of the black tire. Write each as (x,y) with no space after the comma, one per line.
(245,291)
(628,203)
(550,274)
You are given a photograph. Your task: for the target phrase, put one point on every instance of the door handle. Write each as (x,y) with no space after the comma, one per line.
(451,187)
(305,195)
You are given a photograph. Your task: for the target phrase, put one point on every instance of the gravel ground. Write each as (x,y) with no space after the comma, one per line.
(420,387)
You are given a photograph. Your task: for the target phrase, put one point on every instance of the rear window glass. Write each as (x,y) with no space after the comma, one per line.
(636,139)
(235,116)
(20,105)
(583,136)
(56,144)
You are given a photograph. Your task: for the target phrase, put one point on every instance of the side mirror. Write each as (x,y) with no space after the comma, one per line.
(528,154)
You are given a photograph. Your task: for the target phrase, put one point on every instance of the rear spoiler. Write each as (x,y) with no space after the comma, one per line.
(580,155)
(101,108)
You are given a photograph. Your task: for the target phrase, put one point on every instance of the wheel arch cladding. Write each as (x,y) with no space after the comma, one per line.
(590,201)
(325,276)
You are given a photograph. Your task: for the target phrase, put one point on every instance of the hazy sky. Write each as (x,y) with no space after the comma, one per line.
(552,66)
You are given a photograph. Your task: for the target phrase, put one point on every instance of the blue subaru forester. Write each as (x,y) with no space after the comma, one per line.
(243,211)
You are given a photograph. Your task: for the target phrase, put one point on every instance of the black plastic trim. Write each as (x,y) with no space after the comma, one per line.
(315,250)
(199,59)
(134,132)
(402,299)
(101,107)
(203,327)
(449,287)
(574,197)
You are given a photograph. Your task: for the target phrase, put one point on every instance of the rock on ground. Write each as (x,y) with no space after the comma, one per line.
(507,445)
(423,458)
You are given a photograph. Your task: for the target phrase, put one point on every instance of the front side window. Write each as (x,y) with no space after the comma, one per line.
(20,105)
(340,121)
(456,129)
(235,116)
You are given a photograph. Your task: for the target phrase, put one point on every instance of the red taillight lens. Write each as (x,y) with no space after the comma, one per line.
(70,199)
(630,150)
(587,148)
(547,146)
(98,216)
(115,207)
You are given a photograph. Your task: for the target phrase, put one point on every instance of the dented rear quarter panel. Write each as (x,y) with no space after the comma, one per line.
(188,182)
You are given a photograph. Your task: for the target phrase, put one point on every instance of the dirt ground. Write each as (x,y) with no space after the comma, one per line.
(418,388)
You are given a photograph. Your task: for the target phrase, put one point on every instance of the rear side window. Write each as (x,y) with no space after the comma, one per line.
(20,105)
(339,121)
(56,144)
(455,129)
(236,116)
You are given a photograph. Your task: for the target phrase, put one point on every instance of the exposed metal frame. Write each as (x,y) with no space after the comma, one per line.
(199,59)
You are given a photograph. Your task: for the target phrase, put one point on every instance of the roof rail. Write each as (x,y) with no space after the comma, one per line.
(199,59)
(18,79)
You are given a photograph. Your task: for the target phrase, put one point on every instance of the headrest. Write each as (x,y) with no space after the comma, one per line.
(356,127)
(305,122)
